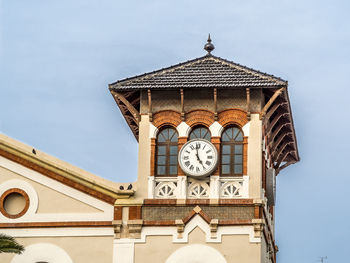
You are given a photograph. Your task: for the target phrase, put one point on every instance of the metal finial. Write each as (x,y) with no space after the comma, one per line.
(209,47)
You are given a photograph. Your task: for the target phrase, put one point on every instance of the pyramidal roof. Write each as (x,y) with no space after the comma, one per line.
(203,72)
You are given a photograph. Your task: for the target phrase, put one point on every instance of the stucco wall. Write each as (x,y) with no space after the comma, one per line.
(50,201)
(79,249)
(234,248)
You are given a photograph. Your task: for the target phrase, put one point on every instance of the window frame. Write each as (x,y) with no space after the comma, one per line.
(168,144)
(232,144)
(200,127)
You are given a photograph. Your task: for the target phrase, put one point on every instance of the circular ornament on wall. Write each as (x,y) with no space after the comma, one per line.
(14,203)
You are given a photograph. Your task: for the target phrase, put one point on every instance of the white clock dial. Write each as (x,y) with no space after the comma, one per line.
(198,158)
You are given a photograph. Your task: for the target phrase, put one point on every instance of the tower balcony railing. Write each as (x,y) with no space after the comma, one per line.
(213,187)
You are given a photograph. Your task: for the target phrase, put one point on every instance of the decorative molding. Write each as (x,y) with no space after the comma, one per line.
(59,231)
(233,116)
(166,117)
(7,193)
(107,210)
(55,172)
(31,203)
(198,189)
(200,117)
(196,221)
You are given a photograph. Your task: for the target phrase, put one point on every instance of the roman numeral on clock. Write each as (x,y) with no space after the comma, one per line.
(208,163)
(187,163)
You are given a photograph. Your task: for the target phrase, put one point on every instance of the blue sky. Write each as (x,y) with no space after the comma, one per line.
(57,58)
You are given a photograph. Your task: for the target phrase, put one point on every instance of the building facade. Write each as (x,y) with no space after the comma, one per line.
(212,134)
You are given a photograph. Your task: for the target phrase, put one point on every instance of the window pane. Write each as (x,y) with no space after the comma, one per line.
(207,136)
(238,149)
(225,159)
(226,149)
(161,138)
(235,132)
(225,169)
(171,133)
(173,169)
(174,138)
(226,137)
(173,159)
(239,137)
(161,160)
(238,169)
(238,159)
(160,170)
(173,150)
(161,150)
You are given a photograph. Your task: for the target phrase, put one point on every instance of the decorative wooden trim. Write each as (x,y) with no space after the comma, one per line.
(245,155)
(153,156)
(278,141)
(135,212)
(281,159)
(130,107)
(274,122)
(233,116)
(182,105)
(278,129)
(57,224)
(166,117)
(215,105)
(273,109)
(276,155)
(248,102)
(268,104)
(200,117)
(9,192)
(150,105)
(58,177)
(118,213)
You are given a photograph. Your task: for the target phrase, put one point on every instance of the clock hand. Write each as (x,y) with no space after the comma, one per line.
(198,159)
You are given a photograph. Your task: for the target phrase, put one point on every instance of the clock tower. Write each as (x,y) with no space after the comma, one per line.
(213,135)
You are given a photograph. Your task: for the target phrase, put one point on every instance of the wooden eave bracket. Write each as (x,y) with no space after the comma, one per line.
(269,103)
(129,106)
(130,113)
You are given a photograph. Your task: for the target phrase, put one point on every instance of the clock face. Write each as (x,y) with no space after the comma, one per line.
(198,157)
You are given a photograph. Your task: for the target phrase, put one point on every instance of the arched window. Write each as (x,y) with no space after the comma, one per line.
(200,132)
(166,159)
(232,151)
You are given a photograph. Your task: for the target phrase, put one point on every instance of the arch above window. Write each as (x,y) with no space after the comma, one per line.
(232,151)
(200,132)
(166,152)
